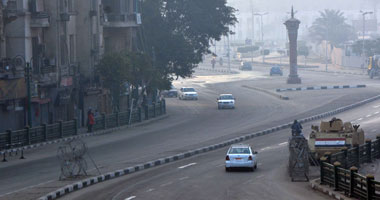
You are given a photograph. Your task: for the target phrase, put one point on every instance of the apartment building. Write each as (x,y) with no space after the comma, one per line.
(63,40)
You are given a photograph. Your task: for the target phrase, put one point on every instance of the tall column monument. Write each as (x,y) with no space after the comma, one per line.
(292,26)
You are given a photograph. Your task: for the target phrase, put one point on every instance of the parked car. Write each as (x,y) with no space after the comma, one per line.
(188,93)
(172,93)
(226,101)
(276,70)
(241,156)
(246,66)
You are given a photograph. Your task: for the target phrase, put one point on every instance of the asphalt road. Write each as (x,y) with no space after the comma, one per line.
(191,124)
(204,177)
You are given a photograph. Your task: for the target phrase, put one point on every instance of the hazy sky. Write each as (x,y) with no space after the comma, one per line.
(307,12)
(307,5)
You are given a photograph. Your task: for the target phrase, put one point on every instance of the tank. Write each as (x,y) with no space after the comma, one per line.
(333,136)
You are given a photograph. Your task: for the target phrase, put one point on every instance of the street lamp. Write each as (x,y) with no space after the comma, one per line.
(262,31)
(364,14)
(28,88)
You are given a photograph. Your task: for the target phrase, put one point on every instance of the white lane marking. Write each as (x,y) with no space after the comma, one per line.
(377,106)
(25,188)
(221,165)
(259,164)
(284,143)
(360,119)
(188,165)
(131,197)
(368,116)
(260,176)
(374,130)
(166,184)
(150,190)
(376,112)
(183,178)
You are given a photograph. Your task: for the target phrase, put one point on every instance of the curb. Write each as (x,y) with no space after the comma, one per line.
(336,72)
(218,70)
(118,173)
(326,190)
(267,92)
(320,88)
(101,132)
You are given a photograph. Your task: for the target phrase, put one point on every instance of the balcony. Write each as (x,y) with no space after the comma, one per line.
(40,20)
(112,20)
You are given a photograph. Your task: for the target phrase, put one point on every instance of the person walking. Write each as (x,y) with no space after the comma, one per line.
(90,121)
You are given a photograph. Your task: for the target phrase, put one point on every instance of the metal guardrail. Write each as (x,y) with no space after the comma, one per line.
(340,170)
(28,136)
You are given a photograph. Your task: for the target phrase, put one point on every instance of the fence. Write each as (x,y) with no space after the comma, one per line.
(335,173)
(28,136)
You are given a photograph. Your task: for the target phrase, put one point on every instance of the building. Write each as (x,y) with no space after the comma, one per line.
(63,40)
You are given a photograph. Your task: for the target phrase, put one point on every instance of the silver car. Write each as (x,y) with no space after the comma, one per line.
(241,156)
(226,101)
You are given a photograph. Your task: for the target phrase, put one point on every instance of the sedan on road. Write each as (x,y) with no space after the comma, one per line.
(241,156)
(226,101)
(246,66)
(170,93)
(275,70)
(188,93)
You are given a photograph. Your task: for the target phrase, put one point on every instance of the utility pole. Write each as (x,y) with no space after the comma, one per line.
(253,29)
(364,14)
(29,98)
(262,32)
(228,53)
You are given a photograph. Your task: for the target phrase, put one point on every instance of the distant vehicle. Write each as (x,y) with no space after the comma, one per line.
(172,93)
(241,156)
(188,93)
(276,70)
(246,66)
(226,101)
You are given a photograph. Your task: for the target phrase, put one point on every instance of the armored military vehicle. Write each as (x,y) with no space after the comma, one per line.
(333,136)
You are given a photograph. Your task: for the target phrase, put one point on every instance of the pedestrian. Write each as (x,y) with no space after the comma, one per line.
(90,121)
(213,61)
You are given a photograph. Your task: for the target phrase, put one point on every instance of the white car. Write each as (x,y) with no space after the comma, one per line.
(226,101)
(241,156)
(188,93)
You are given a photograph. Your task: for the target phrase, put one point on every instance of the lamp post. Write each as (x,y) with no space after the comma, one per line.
(262,31)
(364,14)
(28,87)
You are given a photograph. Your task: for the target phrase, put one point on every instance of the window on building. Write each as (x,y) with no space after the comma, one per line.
(63,50)
(71,5)
(63,7)
(72,48)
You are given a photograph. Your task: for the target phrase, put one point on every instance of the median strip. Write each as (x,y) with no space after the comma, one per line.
(111,175)
(320,88)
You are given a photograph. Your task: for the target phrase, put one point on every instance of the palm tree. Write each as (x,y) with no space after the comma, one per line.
(331,26)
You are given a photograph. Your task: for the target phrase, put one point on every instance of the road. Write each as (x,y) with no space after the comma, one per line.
(190,125)
(204,177)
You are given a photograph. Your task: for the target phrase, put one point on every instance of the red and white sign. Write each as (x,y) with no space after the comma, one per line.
(67,81)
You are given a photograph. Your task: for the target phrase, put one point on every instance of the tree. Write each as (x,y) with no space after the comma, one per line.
(180,32)
(113,70)
(303,50)
(331,26)
(371,47)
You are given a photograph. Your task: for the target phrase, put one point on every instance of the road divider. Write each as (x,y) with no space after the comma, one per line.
(320,88)
(218,70)
(267,92)
(129,170)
